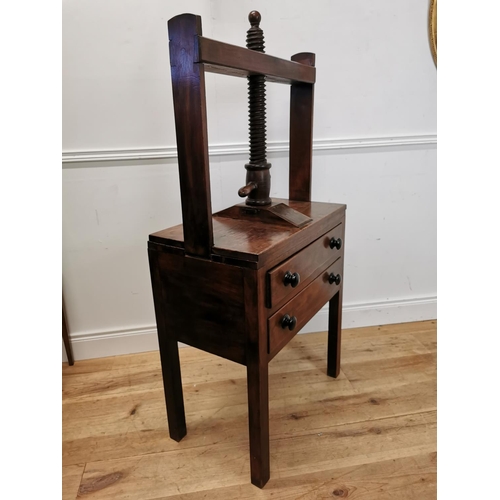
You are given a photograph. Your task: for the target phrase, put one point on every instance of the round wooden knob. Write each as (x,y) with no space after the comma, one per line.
(334,278)
(254,17)
(288,322)
(291,279)
(336,243)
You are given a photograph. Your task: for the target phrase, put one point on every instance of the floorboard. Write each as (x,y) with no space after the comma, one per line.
(369,434)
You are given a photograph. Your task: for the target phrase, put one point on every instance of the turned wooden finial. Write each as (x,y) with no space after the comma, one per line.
(254,17)
(258,177)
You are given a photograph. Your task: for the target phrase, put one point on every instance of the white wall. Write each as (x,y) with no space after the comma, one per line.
(375,149)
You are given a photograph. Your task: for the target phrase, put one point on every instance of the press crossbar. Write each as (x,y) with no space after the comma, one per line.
(227,59)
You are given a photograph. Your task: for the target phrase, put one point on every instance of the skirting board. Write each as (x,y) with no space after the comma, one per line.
(100,345)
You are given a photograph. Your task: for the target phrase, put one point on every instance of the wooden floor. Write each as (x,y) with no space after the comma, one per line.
(370,434)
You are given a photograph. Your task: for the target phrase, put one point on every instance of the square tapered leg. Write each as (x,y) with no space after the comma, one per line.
(258,422)
(169,355)
(172,385)
(334,334)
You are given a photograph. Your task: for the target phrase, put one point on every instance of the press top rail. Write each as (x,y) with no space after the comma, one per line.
(227,59)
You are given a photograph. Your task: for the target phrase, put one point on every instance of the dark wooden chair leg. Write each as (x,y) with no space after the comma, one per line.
(334,335)
(172,385)
(65,336)
(258,422)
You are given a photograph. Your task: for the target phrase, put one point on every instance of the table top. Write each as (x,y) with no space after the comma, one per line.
(254,243)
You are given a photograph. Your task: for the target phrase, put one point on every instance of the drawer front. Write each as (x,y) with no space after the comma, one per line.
(289,319)
(292,275)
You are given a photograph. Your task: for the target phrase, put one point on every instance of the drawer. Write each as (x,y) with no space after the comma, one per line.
(289,319)
(292,275)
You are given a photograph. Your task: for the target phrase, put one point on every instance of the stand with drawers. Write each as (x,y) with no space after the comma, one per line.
(242,282)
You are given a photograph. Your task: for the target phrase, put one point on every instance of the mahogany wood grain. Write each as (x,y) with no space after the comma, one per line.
(220,57)
(277,213)
(303,307)
(301,133)
(211,274)
(334,334)
(188,87)
(257,244)
(335,325)
(221,308)
(306,264)
(204,304)
(257,377)
(169,354)
(289,215)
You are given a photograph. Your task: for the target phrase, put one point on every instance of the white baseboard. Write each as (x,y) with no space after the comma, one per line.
(99,345)
(114,343)
(377,313)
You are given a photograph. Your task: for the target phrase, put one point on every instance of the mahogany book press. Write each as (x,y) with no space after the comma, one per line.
(242,282)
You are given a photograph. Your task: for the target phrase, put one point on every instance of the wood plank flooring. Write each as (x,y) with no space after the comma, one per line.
(369,434)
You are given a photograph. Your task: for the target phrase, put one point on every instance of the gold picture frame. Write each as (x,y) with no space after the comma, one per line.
(433,29)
